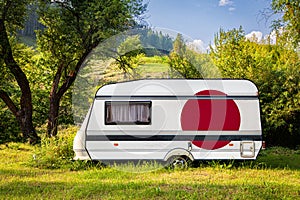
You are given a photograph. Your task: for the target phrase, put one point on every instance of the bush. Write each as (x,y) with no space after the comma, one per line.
(9,127)
(57,152)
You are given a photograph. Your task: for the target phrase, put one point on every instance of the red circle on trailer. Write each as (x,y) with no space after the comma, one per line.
(210,114)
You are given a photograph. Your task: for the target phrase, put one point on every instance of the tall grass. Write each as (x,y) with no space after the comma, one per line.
(57,152)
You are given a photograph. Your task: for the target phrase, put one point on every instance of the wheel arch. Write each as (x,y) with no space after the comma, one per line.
(179,152)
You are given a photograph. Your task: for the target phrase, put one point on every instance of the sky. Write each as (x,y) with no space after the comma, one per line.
(200,20)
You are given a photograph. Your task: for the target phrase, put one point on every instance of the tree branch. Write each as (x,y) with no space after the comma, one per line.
(56,80)
(72,76)
(10,104)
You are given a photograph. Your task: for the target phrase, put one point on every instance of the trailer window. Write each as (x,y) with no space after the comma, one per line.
(127,112)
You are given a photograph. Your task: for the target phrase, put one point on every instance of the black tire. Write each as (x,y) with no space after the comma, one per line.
(178,162)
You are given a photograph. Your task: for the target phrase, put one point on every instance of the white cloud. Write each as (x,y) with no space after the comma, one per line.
(231,9)
(197,45)
(255,36)
(225,2)
(272,37)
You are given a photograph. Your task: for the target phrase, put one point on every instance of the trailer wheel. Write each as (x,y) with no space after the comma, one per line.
(178,162)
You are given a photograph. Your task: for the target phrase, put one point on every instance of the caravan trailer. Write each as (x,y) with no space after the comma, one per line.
(172,120)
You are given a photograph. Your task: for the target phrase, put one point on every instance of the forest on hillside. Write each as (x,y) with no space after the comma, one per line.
(44,45)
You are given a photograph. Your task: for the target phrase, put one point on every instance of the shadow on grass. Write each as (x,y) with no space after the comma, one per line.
(280,158)
(272,158)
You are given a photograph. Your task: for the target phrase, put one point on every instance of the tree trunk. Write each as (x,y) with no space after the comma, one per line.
(27,128)
(23,116)
(24,113)
(57,93)
(53,116)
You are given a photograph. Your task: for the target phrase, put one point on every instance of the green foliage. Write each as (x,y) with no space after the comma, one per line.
(183,67)
(187,63)
(39,79)
(9,128)
(14,13)
(30,63)
(289,22)
(55,152)
(129,52)
(275,70)
(131,43)
(12,17)
(157,43)
(72,30)
(280,158)
(180,60)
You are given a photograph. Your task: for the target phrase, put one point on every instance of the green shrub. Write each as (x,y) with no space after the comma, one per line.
(57,152)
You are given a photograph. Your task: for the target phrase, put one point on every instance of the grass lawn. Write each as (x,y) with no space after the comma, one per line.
(154,70)
(149,67)
(263,179)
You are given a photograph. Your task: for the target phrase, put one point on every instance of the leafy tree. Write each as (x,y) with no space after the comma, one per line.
(73,29)
(188,63)
(39,80)
(12,14)
(129,53)
(275,70)
(180,60)
(290,20)
(156,43)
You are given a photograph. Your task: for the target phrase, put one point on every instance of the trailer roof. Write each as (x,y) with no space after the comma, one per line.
(178,87)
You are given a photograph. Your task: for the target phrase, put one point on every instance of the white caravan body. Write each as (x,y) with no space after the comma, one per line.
(158,119)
